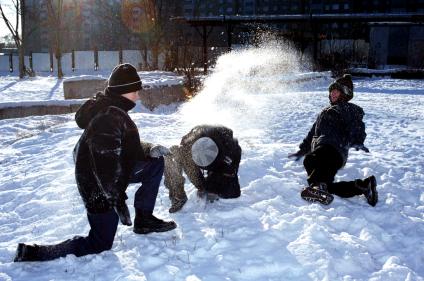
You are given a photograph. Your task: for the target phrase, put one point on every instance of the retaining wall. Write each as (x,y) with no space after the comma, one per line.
(75,90)
(80,89)
(24,111)
(150,97)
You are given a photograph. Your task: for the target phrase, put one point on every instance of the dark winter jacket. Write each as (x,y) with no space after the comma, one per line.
(339,125)
(107,151)
(222,177)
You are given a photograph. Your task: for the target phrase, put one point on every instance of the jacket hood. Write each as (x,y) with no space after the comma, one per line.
(98,103)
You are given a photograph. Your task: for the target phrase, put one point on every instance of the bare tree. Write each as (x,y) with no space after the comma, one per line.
(54,10)
(151,30)
(148,20)
(19,8)
(189,62)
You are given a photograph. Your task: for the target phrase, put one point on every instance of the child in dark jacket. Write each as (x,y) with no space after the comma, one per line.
(337,128)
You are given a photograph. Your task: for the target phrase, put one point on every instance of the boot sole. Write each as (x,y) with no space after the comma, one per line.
(23,254)
(146,230)
(374,194)
(314,195)
(20,253)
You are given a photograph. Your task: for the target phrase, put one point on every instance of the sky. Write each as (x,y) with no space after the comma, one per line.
(269,233)
(6,4)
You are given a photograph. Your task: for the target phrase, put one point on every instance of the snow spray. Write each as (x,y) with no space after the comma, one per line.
(242,87)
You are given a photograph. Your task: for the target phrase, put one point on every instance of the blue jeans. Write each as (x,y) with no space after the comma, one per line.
(99,239)
(103,226)
(149,174)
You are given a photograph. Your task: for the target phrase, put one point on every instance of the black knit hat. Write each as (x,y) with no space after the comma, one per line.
(124,79)
(344,85)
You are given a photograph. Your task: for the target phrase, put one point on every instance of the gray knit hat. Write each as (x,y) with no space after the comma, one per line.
(204,151)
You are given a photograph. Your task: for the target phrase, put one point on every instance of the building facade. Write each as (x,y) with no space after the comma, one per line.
(145,25)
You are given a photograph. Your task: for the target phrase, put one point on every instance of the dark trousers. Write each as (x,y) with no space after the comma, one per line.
(149,174)
(100,238)
(103,226)
(322,165)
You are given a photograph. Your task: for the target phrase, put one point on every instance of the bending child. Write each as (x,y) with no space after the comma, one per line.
(205,149)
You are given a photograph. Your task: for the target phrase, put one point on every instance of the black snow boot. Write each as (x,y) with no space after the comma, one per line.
(26,253)
(146,222)
(317,193)
(368,187)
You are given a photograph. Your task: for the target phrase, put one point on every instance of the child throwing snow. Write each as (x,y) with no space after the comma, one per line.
(337,128)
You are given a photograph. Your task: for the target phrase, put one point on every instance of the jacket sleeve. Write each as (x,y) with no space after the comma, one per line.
(145,150)
(105,145)
(357,131)
(305,146)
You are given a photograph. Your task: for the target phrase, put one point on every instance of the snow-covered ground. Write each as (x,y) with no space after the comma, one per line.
(269,233)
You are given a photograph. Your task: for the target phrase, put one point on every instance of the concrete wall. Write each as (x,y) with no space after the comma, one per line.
(150,98)
(41,62)
(18,112)
(79,89)
(108,60)
(84,60)
(165,95)
(133,57)
(4,63)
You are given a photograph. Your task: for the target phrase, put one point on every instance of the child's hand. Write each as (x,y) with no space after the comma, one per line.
(297,155)
(123,213)
(159,150)
(361,147)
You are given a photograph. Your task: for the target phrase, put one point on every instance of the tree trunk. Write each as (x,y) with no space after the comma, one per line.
(59,67)
(155,57)
(21,61)
(22,68)
(145,58)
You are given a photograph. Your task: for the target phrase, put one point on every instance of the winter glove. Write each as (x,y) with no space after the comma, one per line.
(209,196)
(361,147)
(159,150)
(297,155)
(123,213)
